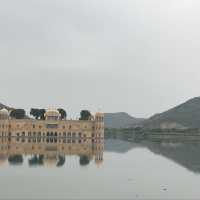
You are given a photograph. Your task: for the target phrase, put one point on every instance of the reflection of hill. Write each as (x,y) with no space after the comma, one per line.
(118,145)
(185,154)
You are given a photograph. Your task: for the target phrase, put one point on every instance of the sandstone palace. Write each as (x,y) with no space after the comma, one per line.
(52,126)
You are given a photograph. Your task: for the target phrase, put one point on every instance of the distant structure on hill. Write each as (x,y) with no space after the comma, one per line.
(52,126)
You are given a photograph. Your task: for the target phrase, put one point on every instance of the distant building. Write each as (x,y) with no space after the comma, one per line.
(52,126)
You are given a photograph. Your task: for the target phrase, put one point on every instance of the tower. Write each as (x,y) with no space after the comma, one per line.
(99,125)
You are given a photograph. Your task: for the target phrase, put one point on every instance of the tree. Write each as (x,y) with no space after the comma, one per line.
(42,114)
(18,113)
(62,113)
(38,113)
(36,160)
(15,159)
(85,115)
(61,161)
(84,160)
(35,112)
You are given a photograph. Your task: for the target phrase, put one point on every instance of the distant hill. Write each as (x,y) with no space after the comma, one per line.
(120,120)
(186,115)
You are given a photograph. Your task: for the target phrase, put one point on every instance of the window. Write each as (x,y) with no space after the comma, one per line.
(39,137)
(23,136)
(33,125)
(52,125)
(68,140)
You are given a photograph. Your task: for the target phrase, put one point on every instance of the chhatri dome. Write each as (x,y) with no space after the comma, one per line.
(50,160)
(4,114)
(52,114)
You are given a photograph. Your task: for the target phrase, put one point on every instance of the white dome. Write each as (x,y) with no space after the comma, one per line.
(52,113)
(50,160)
(4,112)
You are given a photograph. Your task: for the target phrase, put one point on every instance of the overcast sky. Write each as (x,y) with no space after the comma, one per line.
(137,56)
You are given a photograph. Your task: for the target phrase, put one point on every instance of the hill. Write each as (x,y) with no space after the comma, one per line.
(120,120)
(186,115)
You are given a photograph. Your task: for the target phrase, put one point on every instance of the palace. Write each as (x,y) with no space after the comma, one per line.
(52,126)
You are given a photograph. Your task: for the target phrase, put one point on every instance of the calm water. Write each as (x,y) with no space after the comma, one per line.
(112,169)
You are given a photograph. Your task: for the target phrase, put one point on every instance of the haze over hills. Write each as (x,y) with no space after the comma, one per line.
(186,115)
(120,120)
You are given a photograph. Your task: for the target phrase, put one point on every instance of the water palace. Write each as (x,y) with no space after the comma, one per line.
(52,126)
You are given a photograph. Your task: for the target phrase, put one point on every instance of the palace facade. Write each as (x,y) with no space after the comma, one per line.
(51,127)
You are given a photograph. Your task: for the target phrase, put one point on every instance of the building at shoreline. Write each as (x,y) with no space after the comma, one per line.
(52,126)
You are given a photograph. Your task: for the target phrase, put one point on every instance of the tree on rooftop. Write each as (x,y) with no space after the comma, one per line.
(18,113)
(38,113)
(62,113)
(85,115)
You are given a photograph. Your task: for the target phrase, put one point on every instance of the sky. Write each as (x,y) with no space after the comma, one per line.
(136,56)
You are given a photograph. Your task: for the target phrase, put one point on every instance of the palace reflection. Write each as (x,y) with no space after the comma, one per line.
(49,151)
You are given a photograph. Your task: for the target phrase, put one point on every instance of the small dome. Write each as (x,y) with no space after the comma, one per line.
(4,112)
(50,160)
(52,113)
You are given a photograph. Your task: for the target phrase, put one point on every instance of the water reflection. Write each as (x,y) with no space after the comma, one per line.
(51,151)
(132,168)
(183,152)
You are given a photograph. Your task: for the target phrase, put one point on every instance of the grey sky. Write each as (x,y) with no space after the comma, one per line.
(138,56)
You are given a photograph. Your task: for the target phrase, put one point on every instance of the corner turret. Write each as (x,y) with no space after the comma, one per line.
(99,125)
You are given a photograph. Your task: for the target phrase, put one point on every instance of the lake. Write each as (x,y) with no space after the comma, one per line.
(116,168)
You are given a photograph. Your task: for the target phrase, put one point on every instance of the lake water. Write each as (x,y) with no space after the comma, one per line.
(115,168)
